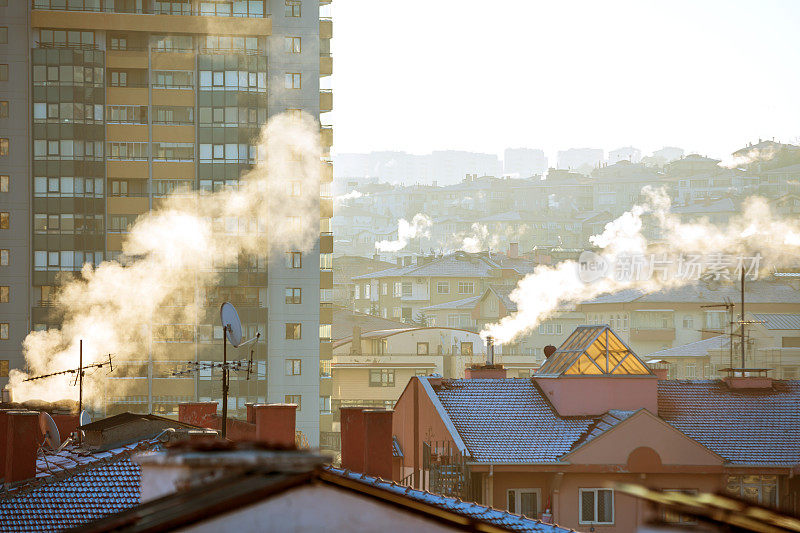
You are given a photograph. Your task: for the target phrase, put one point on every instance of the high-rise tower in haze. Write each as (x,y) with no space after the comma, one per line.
(107,106)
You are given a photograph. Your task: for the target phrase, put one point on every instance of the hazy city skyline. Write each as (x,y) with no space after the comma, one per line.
(708,78)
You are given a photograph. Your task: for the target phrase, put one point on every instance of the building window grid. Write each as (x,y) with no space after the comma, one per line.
(381,377)
(293,367)
(596,506)
(294,295)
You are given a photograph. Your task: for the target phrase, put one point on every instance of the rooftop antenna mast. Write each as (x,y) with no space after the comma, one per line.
(729,306)
(79,373)
(232,332)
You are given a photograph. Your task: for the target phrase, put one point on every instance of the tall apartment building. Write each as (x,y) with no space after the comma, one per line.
(107,106)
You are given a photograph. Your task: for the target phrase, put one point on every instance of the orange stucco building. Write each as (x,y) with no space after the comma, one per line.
(553,446)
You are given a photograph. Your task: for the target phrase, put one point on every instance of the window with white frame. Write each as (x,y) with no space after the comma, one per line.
(526,502)
(292,45)
(466,287)
(596,506)
(442,287)
(398,289)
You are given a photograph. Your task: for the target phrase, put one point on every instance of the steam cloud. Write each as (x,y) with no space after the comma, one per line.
(540,294)
(418,227)
(171,258)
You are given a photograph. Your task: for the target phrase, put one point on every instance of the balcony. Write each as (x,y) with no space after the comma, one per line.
(326,133)
(46,14)
(325,100)
(325,65)
(325,28)
(394,360)
(126,59)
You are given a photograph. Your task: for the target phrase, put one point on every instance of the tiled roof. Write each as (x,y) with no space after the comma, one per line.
(459,264)
(778,320)
(508,420)
(463,303)
(495,517)
(723,205)
(693,349)
(755,292)
(74,487)
(744,426)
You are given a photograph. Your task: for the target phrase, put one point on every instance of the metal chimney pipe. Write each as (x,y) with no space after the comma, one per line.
(489,350)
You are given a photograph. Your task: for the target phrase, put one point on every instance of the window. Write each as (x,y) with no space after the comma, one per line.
(384,289)
(406,289)
(688,322)
(293,331)
(294,259)
(367,291)
(4,182)
(3,72)
(293,367)
(292,45)
(381,378)
(292,80)
(326,262)
(325,332)
(466,348)
(4,147)
(672,517)
(3,34)
(293,295)
(442,287)
(3,109)
(325,404)
(757,489)
(423,348)
(295,399)
(4,294)
(292,8)
(524,501)
(4,368)
(4,254)
(466,287)
(596,506)
(5,219)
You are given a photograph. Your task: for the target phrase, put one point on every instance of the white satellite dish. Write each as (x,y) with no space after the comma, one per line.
(84,418)
(230,317)
(50,430)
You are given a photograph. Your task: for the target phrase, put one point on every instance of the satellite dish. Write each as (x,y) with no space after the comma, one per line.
(84,418)
(230,317)
(50,430)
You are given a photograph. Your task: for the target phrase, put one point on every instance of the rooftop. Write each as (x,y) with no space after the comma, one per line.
(511,420)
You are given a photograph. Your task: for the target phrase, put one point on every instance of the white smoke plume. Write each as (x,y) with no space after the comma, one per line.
(475,241)
(753,155)
(540,294)
(352,195)
(418,227)
(172,258)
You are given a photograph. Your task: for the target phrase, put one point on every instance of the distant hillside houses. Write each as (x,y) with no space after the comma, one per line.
(565,207)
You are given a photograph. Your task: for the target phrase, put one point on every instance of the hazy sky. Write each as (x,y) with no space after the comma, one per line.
(422,75)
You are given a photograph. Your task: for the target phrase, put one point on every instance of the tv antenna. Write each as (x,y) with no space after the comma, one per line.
(232,332)
(79,373)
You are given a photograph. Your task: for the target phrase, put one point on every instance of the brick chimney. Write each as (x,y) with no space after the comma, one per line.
(352,436)
(275,424)
(197,413)
(22,445)
(355,345)
(485,372)
(378,443)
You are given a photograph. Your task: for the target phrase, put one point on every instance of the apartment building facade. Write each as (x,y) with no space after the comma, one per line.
(116,104)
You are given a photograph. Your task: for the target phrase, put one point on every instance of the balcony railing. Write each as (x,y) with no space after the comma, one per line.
(100,6)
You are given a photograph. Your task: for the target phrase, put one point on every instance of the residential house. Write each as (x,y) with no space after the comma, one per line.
(592,416)
(402,292)
(681,315)
(772,341)
(345,268)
